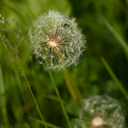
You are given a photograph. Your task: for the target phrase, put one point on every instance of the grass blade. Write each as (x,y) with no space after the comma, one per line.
(73,90)
(48,124)
(6,124)
(119,85)
(117,36)
(2,96)
(2,89)
(37,107)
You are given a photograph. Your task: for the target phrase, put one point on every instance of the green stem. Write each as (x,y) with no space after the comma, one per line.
(57,92)
(1,104)
(26,3)
(61,103)
(48,124)
(37,107)
(117,36)
(120,86)
(6,123)
(73,91)
(2,96)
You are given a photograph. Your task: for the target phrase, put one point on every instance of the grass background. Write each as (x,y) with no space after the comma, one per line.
(105,24)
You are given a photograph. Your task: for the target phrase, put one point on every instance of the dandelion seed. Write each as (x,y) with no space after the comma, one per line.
(57,40)
(106,113)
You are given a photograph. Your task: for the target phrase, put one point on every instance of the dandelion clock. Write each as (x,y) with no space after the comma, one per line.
(56,40)
(100,111)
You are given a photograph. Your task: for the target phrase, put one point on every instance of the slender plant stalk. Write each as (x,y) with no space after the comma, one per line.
(37,107)
(19,84)
(48,124)
(58,95)
(78,93)
(26,3)
(61,103)
(16,57)
(2,96)
(3,112)
(50,74)
(6,123)
(120,86)
(73,90)
(1,104)
(3,109)
(117,36)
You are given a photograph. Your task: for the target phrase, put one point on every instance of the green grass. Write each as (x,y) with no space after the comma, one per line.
(33,97)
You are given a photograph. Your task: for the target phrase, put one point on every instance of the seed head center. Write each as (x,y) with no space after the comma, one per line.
(97,121)
(52,43)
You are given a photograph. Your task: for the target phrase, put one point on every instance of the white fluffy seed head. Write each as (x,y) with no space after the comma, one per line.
(58,40)
(100,111)
(103,111)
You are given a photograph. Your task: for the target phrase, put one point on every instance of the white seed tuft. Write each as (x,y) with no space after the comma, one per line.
(56,38)
(106,112)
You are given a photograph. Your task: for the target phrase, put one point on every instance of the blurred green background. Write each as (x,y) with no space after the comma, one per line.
(90,76)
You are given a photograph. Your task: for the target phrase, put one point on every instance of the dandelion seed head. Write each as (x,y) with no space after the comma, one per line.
(58,38)
(103,111)
(100,112)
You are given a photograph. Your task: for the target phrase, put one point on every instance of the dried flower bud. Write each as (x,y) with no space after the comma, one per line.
(56,40)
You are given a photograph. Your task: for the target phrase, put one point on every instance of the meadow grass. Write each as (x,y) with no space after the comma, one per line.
(56,96)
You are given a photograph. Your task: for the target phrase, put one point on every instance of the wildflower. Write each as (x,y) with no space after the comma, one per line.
(101,112)
(56,41)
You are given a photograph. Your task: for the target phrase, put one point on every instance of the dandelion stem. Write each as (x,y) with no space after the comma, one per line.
(59,97)
(57,92)
(61,103)
(120,86)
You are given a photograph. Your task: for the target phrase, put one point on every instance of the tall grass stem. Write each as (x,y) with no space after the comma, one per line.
(2,96)
(26,3)
(74,91)
(119,85)
(40,122)
(117,36)
(37,107)
(6,123)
